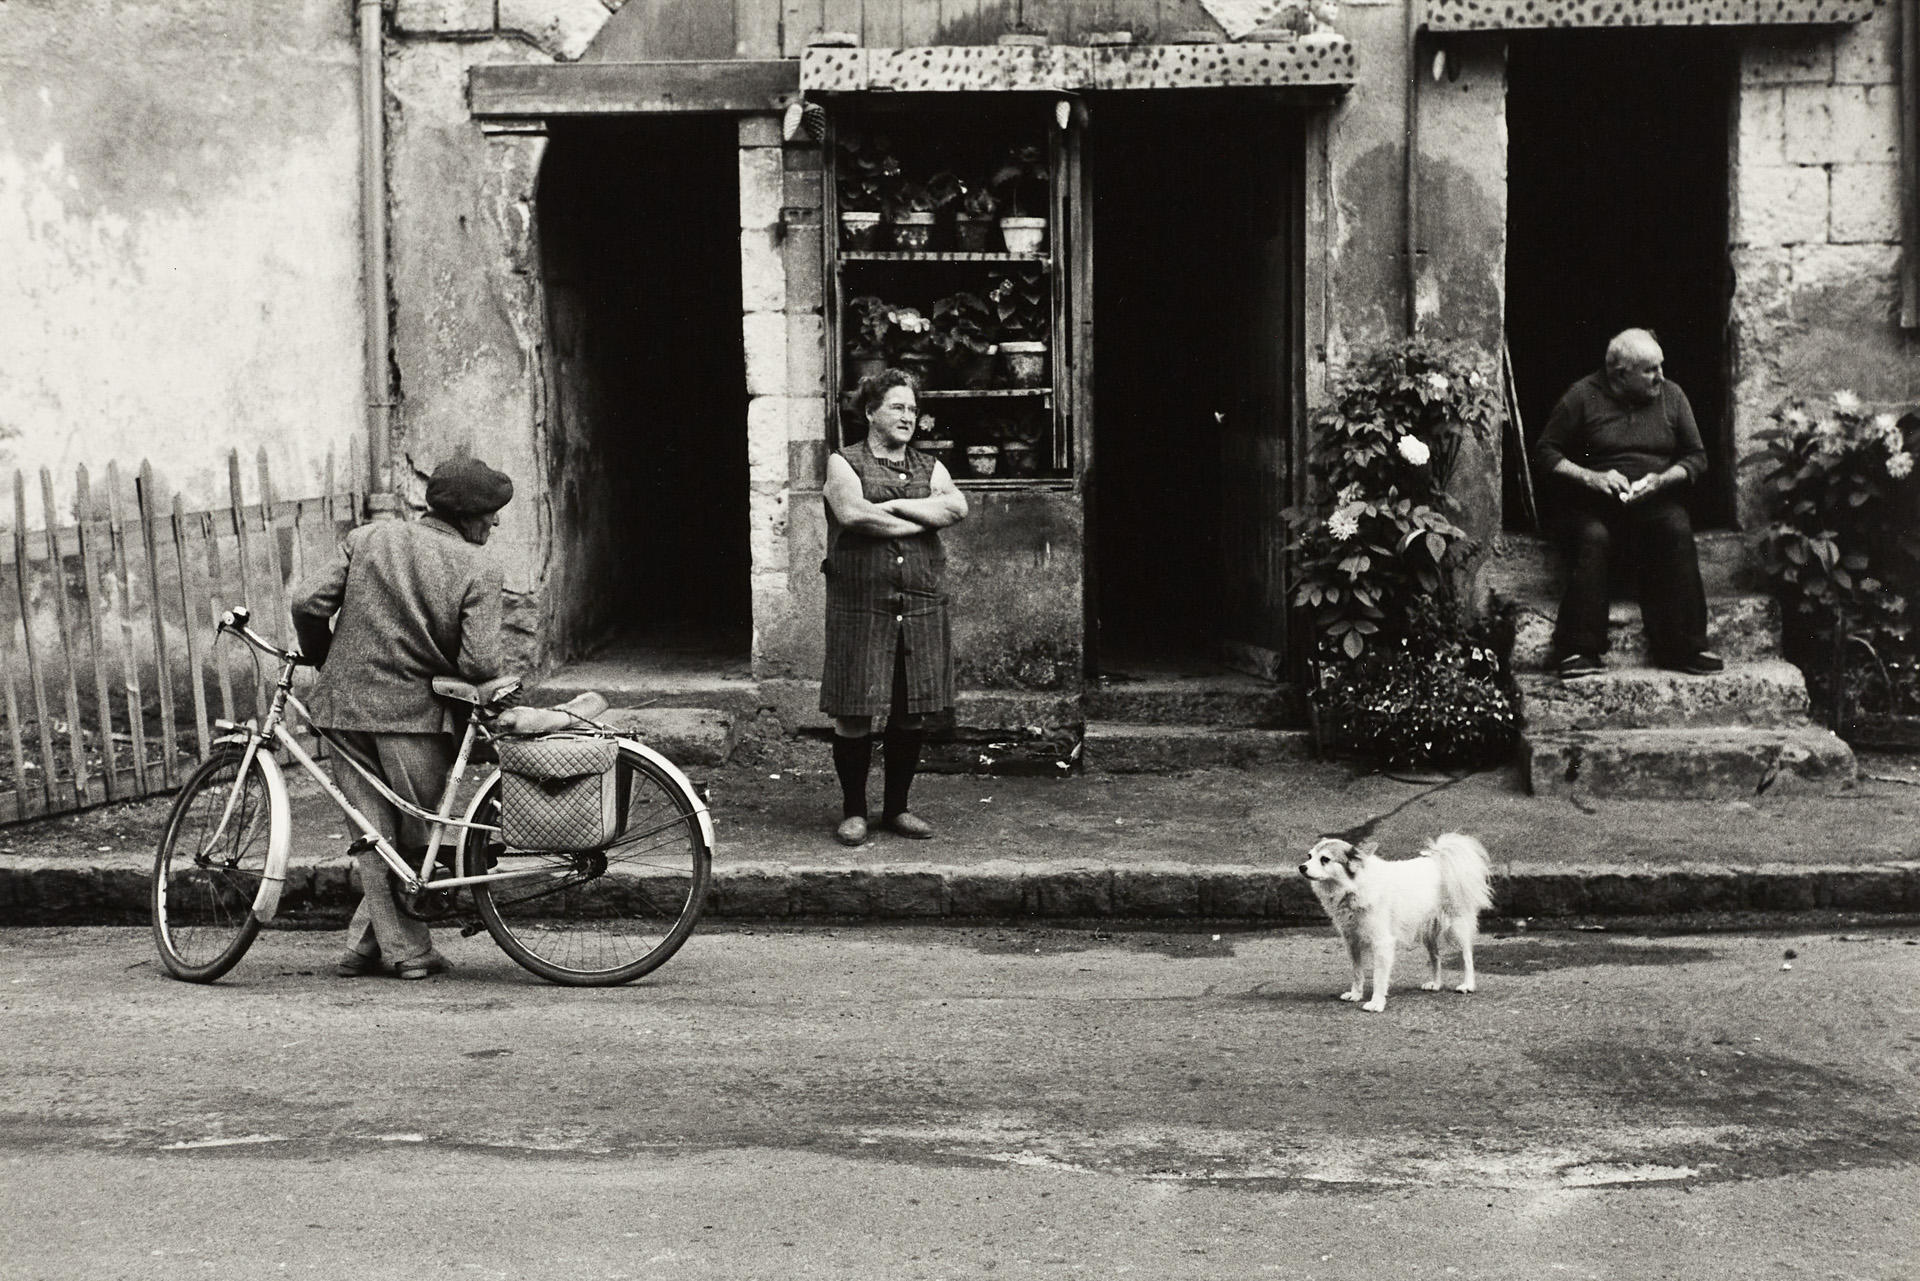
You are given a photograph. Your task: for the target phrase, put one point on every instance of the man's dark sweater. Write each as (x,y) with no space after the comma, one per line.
(1598,430)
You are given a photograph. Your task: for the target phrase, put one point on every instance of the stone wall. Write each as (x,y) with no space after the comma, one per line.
(1816,226)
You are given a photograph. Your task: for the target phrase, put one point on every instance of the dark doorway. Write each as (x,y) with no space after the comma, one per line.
(1196,232)
(1617,170)
(639,233)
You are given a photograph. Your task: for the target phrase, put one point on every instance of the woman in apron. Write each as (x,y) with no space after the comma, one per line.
(889,640)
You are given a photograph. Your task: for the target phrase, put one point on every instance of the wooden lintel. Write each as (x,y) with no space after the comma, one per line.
(622,88)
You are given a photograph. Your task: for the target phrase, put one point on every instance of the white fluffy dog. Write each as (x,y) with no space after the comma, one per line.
(1375,902)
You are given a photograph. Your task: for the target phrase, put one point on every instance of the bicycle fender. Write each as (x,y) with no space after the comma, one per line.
(674,772)
(279,838)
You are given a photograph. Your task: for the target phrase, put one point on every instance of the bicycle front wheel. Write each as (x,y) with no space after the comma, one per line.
(209,867)
(595,918)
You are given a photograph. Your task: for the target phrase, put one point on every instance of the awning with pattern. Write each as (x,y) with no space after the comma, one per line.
(1501,15)
(1326,61)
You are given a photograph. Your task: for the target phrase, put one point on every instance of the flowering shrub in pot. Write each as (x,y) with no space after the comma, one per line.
(1400,671)
(1842,550)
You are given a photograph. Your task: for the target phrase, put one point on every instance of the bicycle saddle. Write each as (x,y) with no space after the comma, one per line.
(491,694)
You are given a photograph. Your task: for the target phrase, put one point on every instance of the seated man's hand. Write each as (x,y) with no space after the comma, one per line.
(1609,482)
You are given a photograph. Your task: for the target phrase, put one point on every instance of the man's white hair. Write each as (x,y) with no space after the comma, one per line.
(1633,344)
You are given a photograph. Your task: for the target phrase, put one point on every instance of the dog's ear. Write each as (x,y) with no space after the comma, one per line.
(1367,849)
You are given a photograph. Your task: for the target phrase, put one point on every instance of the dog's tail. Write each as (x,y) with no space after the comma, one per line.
(1463,874)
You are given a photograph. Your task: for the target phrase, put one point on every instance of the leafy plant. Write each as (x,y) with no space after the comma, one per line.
(1436,695)
(1021,180)
(963,326)
(868,173)
(1382,535)
(1839,548)
(979,202)
(1022,306)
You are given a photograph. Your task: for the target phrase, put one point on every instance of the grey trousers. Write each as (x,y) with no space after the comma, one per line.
(415,766)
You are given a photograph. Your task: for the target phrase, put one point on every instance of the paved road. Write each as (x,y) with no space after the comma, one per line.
(968,1102)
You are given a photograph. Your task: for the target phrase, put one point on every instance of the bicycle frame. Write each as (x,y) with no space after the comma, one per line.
(254,733)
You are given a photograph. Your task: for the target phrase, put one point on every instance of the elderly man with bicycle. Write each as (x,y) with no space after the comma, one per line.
(400,603)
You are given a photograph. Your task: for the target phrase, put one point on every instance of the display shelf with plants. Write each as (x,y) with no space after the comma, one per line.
(937,285)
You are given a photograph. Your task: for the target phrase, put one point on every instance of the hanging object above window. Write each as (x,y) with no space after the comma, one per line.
(1322,59)
(1502,15)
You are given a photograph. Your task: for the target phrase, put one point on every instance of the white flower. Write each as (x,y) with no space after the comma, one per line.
(1889,428)
(1348,494)
(1846,402)
(1797,420)
(1343,524)
(1438,385)
(1414,450)
(1899,464)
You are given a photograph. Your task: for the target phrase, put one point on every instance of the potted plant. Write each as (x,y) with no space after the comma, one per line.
(1021,304)
(867,176)
(867,330)
(930,438)
(983,460)
(1019,438)
(1020,184)
(973,220)
(963,330)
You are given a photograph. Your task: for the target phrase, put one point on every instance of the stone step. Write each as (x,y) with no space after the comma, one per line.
(1673,764)
(1739,628)
(1767,693)
(1527,566)
(630,685)
(687,736)
(1227,700)
(1112,747)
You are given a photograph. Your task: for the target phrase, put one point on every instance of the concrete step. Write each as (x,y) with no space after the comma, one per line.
(1674,764)
(1739,628)
(1527,566)
(630,685)
(1767,693)
(1227,700)
(687,736)
(1112,747)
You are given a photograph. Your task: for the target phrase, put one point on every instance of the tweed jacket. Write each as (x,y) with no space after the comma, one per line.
(409,601)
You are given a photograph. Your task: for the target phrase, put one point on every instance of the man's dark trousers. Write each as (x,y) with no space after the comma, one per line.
(1655,536)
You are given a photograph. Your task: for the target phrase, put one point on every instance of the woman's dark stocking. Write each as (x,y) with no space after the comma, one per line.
(903,761)
(852,759)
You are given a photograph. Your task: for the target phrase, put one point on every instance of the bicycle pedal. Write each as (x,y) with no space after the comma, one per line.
(363,845)
(471,928)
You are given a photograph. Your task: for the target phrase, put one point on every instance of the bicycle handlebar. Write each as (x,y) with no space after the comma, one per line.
(238,620)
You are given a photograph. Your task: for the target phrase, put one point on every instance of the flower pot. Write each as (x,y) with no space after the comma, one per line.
(862,367)
(1019,458)
(859,229)
(1023,235)
(913,231)
(1026,362)
(983,460)
(973,235)
(941,450)
(974,369)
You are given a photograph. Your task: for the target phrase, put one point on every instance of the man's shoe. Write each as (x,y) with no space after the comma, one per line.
(852,831)
(1703,663)
(356,965)
(1577,665)
(421,967)
(909,824)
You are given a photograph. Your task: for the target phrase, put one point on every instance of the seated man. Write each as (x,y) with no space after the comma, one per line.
(1621,447)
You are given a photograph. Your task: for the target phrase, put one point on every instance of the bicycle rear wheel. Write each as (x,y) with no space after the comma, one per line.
(596,918)
(206,874)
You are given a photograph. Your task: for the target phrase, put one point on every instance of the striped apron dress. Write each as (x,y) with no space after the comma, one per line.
(886,605)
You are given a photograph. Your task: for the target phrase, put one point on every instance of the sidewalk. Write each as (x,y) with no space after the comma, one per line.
(1211,845)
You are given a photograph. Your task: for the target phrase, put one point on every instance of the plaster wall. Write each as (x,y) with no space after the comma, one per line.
(179,240)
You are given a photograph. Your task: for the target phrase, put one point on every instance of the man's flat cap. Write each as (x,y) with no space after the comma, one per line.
(468,487)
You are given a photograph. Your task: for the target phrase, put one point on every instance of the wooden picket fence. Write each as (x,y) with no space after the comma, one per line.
(110,674)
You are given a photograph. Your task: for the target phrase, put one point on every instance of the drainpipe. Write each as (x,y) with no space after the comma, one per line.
(1410,171)
(381,500)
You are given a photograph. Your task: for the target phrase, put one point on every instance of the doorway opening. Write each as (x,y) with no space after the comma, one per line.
(1198,229)
(1617,200)
(639,223)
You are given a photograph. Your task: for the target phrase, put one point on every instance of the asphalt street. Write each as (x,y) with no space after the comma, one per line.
(969,1101)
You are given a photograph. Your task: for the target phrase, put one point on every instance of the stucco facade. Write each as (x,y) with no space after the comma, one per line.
(178,216)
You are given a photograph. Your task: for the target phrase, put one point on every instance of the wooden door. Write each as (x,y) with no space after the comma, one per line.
(1261,227)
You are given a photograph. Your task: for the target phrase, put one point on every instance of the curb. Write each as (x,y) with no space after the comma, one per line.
(39,892)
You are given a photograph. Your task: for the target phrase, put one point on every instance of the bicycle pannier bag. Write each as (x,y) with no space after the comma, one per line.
(557,792)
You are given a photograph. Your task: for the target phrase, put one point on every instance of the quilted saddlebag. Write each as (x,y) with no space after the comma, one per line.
(557,792)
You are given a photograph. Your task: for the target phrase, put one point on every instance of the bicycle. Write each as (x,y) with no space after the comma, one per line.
(590,917)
